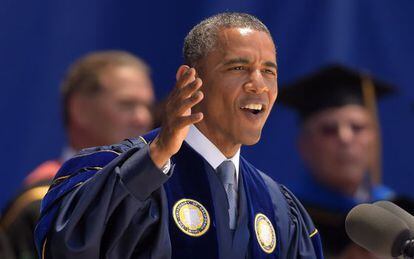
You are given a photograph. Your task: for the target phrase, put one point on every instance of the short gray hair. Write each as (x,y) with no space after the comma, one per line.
(203,37)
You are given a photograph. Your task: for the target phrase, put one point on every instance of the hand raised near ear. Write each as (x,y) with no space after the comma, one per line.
(177,116)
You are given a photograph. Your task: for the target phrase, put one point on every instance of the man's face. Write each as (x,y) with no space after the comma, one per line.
(338,145)
(239,85)
(122,108)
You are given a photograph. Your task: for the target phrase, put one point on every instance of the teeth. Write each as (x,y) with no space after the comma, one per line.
(257,107)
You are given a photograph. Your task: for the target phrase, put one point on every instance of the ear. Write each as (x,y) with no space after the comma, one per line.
(181,70)
(78,110)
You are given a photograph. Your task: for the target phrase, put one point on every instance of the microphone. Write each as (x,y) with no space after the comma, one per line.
(404,216)
(379,231)
(399,212)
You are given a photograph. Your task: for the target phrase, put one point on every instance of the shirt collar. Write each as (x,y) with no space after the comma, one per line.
(202,145)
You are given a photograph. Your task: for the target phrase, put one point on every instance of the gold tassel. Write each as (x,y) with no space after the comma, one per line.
(370,101)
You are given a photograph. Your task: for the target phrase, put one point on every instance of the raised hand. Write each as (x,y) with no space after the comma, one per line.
(177,116)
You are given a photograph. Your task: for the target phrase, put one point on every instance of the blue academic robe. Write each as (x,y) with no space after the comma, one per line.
(328,209)
(313,192)
(113,202)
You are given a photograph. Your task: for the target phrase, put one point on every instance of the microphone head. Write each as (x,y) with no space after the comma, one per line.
(377,230)
(399,212)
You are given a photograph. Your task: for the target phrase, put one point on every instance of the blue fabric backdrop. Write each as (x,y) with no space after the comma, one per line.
(39,39)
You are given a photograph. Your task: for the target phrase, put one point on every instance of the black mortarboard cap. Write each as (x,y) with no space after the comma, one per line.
(331,86)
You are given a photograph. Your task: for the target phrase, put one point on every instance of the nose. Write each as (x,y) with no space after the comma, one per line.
(142,117)
(256,83)
(345,134)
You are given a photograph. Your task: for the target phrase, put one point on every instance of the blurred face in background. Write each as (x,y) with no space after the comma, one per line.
(338,145)
(122,108)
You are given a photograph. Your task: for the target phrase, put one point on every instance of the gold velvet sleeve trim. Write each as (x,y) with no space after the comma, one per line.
(31,195)
(313,233)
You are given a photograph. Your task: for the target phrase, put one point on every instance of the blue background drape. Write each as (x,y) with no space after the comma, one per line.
(39,39)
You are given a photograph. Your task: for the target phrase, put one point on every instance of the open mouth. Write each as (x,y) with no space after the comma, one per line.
(253,108)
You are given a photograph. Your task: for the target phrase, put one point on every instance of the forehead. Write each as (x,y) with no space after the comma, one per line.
(124,75)
(239,39)
(350,113)
(126,80)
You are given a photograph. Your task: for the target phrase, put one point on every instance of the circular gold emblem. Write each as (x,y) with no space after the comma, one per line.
(191,217)
(265,233)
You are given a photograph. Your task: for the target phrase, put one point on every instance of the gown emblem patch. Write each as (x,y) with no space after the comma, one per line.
(265,233)
(191,217)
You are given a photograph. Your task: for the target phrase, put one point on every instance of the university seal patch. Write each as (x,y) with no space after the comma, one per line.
(191,217)
(265,233)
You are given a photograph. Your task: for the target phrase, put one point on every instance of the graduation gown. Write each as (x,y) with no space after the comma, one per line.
(113,202)
(22,213)
(328,208)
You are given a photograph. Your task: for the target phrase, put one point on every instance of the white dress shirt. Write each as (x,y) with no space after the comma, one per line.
(202,145)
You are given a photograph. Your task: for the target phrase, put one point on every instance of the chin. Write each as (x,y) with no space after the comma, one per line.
(251,139)
(351,178)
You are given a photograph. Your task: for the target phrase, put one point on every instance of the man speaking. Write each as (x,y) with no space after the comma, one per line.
(184,191)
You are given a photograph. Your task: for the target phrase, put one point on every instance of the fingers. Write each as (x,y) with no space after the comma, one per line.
(190,102)
(190,119)
(183,98)
(191,88)
(185,76)
(177,117)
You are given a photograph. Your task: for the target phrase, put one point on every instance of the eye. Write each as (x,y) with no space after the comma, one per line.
(328,130)
(238,68)
(126,105)
(357,127)
(269,71)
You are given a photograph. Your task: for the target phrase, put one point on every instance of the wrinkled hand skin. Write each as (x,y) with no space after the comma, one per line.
(175,126)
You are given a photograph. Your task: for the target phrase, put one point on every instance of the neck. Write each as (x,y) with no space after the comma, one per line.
(222,143)
(77,140)
(348,189)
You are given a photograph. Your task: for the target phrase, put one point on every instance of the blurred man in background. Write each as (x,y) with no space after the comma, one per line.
(339,142)
(107,96)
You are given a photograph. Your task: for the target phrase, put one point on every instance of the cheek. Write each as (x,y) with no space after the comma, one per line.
(113,116)
(145,113)
(369,138)
(99,113)
(366,142)
(273,90)
(324,146)
(325,151)
(217,101)
(272,99)
(315,149)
